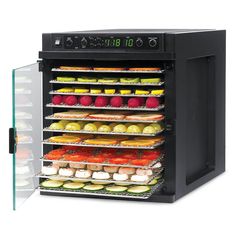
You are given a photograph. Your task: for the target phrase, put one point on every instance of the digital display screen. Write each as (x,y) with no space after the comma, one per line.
(118,42)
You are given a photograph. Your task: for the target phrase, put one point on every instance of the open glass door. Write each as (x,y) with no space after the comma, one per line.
(25,136)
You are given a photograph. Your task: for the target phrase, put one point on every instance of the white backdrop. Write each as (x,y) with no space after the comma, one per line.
(208,210)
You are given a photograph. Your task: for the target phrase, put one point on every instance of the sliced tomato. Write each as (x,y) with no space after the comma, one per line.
(118,161)
(130,151)
(151,156)
(57,151)
(149,152)
(140,162)
(129,156)
(86,149)
(96,159)
(52,156)
(108,151)
(74,157)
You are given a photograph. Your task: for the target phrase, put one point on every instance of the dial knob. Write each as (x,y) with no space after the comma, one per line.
(139,42)
(69,42)
(84,42)
(152,43)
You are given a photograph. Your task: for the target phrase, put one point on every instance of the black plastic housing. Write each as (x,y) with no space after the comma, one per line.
(194,61)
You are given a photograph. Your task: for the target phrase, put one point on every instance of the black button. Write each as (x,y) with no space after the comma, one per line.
(152,43)
(139,42)
(84,42)
(69,42)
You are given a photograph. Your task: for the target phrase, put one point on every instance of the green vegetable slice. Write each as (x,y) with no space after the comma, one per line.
(116,188)
(153,182)
(73,185)
(93,187)
(139,189)
(52,183)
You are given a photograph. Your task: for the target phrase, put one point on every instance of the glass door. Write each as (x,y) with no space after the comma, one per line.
(25,136)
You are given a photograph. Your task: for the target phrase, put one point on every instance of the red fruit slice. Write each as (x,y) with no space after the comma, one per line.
(96,159)
(118,161)
(57,99)
(86,100)
(71,100)
(152,102)
(116,102)
(74,157)
(140,162)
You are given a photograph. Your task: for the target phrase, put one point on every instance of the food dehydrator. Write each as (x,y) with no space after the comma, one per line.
(120,114)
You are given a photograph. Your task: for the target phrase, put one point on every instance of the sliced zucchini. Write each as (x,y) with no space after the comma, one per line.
(139,189)
(115,188)
(153,182)
(52,183)
(72,185)
(93,187)
(102,183)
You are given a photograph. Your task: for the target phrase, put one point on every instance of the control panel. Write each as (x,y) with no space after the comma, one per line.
(130,42)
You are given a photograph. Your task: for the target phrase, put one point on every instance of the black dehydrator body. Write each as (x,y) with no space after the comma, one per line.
(193,65)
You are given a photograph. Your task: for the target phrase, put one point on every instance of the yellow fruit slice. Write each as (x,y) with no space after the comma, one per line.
(65,90)
(140,92)
(157,92)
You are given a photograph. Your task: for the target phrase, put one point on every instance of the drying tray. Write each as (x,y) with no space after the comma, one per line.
(105,133)
(82,144)
(108,83)
(105,193)
(151,165)
(110,180)
(106,95)
(111,71)
(141,108)
(52,117)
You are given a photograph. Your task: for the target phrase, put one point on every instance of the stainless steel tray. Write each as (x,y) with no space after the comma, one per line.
(81,144)
(105,133)
(105,193)
(107,83)
(152,164)
(51,117)
(110,71)
(107,95)
(108,107)
(58,177)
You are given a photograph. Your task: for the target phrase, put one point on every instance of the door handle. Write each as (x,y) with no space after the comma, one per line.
(12,140)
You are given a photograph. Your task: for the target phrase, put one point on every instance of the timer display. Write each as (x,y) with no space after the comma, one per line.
(118,42)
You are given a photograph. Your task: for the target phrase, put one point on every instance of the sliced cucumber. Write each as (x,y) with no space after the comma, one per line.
(116,188)
(102,183)
(153,182)
(139,189)
(93,187)
(72,185)
(52,183)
